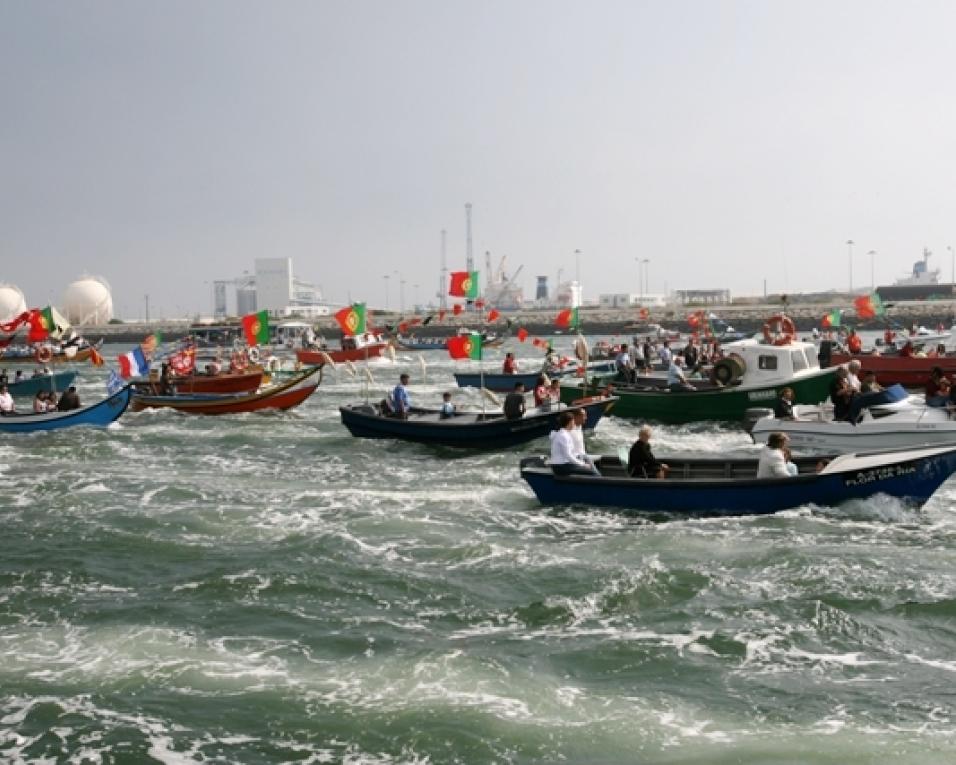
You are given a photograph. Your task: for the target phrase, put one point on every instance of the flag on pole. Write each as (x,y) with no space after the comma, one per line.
(352,319)
(464,284)
(46,323)
(493,314)
(133,364)
(869,306)
(114,383)
(457,309)
(521,334)
(832,319)
(465,346)
(567,318)
(255,326)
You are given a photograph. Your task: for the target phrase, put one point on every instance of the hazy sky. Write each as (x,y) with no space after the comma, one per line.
(167,144)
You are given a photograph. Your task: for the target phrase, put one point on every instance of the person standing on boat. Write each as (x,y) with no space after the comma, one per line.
(401,403)
(577,435)
(6,400)
(691,354)
(641,462)
(773,459)
(840,395)
(447,407)
(564,460)
(853,342)
(622,362)
(510,366)
(514,402)
(852,375)
(665,355)
(541,395)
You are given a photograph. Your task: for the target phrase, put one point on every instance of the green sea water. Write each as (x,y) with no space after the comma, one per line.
(265,588)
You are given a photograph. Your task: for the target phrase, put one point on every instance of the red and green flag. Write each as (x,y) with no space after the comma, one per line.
(464,284)
(46,323)
(464,346)
(832,319)
(493,314)
(256,328)
(869,306)
(567,318)
(352,319)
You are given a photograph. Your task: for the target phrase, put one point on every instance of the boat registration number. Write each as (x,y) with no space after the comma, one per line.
(864,477)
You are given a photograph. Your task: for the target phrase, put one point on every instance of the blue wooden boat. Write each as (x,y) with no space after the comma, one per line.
(504,383)
(728,486)
(100,415)
(30,386)
(482,430)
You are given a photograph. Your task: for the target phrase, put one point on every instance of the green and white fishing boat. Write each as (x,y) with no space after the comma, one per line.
(750,376)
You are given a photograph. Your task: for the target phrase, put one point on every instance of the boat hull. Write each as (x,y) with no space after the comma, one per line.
(729,403)
(30,386)
(912,475)
(83,354)
(466,430)
(229,382)
(284,396)
(100,415)
(910,372)
(317,358)
(503,383)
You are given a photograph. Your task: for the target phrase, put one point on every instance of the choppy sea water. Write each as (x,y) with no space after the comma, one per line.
(265,588)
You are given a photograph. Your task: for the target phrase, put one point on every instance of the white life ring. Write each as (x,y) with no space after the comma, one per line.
(253,355)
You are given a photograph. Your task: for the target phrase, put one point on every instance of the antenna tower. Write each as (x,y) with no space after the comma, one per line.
(469,255)
(443,278)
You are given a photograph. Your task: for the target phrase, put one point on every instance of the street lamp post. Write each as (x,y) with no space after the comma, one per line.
(647,275)
(849,247)
(640,280)
(952,255)
(872,253)
(386,290)
(401,295)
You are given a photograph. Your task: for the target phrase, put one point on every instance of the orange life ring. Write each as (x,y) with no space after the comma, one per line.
(43,354)
(779,329)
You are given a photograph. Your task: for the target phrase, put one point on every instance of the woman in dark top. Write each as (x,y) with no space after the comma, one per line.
(641,461)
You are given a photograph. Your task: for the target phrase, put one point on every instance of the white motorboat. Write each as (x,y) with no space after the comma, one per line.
(903,423)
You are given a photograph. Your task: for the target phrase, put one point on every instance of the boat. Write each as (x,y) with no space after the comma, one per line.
(888,420)
(354,348)
(224,382)
(285,395)
(99,414)
(505,383)
(414,343)
(751,375)
(57,382)
(894,369)
(481,430)
(729,486)
(46,354)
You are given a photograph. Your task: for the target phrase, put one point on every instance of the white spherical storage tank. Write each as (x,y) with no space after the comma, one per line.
(88,301)
(12,302)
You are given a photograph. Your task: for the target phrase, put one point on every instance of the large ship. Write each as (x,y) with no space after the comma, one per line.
(921,284)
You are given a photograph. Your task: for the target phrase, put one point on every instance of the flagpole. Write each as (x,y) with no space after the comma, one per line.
(481,352)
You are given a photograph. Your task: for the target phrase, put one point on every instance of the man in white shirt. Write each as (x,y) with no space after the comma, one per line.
(564,457)
(664,354)
(577,435)
(6,400)
(773,461)
(676,381)
(853,375)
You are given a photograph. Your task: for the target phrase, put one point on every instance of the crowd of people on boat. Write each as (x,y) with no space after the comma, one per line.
(43,402)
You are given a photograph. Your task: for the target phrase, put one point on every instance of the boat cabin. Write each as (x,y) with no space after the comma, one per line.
(763,364)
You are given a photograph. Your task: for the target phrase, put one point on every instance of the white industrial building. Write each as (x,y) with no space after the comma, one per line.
(273,288)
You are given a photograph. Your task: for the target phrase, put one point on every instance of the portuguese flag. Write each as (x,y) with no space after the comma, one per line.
(464,284)
(832,319)
(868,306)
(465,346)
(352,319)
(256,328)
(46,323)
(567,318)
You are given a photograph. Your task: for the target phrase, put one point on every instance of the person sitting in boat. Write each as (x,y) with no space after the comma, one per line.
(69,401)
(510,366)
(676,379)
(691,354)
(18,376)
(554,394)
(852,375)
(6,400)
(564,460)
(841,395)
(641,462)
(514,402)
(39,402)
(853,342)
(937,388)
(773,459)
(3,377)
(869,384)
(51,401)
(541,395)
(783,406)
(907,351)
(165,387)
(400,401)
(623,365)
(939,350)
(447,407)
(577,435)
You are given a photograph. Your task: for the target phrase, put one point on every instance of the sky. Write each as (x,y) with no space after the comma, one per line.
(733,145)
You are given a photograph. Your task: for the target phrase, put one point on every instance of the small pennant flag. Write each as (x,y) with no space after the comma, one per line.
(480,303)
(465,346)
(464,284)
(457,309)
(493,314)
(95,358)
(352,319)
(832,319)
(567,318)
(255,326)
(114,383)
(521,334)
(149,344)
(869,306)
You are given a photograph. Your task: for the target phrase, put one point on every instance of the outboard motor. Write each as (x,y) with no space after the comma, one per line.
(756,413)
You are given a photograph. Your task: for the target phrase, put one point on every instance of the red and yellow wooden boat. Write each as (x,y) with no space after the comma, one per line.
(354,348)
